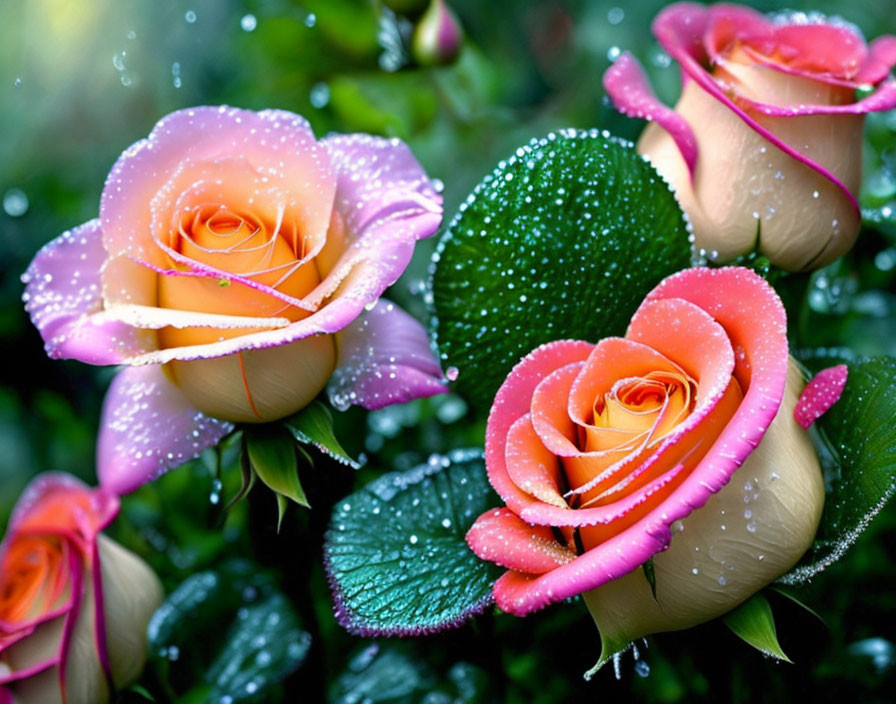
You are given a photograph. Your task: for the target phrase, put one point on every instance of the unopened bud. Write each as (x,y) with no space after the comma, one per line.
(438,36)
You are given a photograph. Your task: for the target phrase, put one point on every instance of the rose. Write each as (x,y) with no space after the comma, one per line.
(232,254)
(767,142)
(74,605)
(599,452)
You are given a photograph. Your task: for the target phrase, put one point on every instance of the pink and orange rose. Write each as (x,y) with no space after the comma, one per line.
(766,137)
(74,605)
(233,268)
(676,442)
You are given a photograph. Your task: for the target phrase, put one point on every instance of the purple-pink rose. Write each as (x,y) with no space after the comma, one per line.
(235,268)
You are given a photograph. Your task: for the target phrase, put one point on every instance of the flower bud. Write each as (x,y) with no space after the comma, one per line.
(438,37)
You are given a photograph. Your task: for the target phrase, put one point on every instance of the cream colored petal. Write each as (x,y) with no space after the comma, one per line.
(747,535)
(742,181)
(132,594)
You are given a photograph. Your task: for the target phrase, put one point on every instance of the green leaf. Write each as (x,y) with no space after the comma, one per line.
(395,674)
(229,627)
(857,443)
(563,240)
(281,510)
(200,602)
(263,646)
(313,425)
(273,457)
(396,554)
(752,621)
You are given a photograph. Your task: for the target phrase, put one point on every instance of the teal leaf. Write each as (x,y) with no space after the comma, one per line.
(562,240)
(857,443)
(753,622)
(395,550)
(313,425)
(262,647)
(273,457)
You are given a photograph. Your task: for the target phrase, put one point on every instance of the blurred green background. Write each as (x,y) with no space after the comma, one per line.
(82,80)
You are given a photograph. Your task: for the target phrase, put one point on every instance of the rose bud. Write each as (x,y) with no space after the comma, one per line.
(438,36)
(765,143)
(232,255)
(676,442)
(74,605)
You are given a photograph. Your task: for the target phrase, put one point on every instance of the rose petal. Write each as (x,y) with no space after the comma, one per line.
(550,415)
(630,92)
(797,49)
(820,394)
(500,536)
(531,466)
(54,502)
(62,295)
(149,427)
(512,401)
(384,358)
(386,203)
(880,60)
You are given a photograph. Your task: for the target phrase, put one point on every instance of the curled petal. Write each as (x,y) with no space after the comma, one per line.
(148,427)
(880,60)
(630,92)
(513,401)
(63,297)
(503,537)
(384,358)
(54,502)
(386,203)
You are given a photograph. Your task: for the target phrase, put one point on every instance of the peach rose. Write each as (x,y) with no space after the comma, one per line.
(766,137)
(233,258)
(679,437)
(74,605)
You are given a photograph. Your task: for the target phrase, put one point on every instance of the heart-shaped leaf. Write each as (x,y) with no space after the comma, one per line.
(395,551)
(562,240)
(858,452)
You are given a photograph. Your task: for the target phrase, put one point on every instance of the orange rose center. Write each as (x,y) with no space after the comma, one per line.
(271,253)
(31,578)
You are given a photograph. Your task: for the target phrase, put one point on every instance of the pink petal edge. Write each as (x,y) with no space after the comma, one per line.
(679,30)
(63,296)
(502,537)
(384,358)
(629,89)
(822,392)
